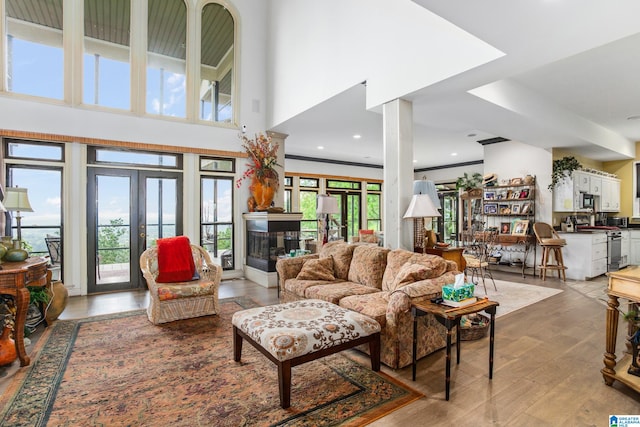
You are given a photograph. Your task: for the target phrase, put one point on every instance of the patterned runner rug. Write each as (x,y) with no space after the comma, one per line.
(122,370)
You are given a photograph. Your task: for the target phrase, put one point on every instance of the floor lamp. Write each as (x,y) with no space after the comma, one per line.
(17,200)
(421,206)
(327,205)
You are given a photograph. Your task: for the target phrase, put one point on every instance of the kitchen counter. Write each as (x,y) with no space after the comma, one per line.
(585,254)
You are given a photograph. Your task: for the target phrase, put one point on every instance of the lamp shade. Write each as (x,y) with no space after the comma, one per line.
(17,199)
(327,204)
(423,186)
(421,206)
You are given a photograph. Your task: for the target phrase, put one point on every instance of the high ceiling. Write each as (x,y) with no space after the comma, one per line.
(569,78)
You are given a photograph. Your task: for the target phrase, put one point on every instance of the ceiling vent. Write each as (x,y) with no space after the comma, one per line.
(495,140)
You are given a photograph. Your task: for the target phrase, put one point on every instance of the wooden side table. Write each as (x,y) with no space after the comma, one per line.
(626,284)
(450,317)
(452,254)
(14,279)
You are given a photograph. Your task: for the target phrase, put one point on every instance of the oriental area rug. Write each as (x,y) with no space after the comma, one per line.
(122,370)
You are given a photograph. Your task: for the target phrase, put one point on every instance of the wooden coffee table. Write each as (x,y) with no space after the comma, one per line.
(450,317)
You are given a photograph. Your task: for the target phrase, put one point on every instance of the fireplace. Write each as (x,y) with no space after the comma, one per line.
(269,236)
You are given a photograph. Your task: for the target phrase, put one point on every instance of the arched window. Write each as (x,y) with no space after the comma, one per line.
(216,64)
(166,58)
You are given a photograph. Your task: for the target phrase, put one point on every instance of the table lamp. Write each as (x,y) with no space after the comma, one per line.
(421,206)
(327,205)
(17,200)
(424,186)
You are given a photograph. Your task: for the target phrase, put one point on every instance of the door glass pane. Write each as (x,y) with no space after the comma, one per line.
(34,54)
(161,209)
(216,67)
(113,229)
(353,215)
(166,53)
(217,219)
(45,202)
(107,75)
(309,222)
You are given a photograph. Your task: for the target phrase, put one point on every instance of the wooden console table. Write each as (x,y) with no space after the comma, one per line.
(626,284)
(14,279)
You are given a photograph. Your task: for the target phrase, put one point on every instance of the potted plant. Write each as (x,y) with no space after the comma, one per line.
(633,317)
(263,157)
(469,182)
(562,168)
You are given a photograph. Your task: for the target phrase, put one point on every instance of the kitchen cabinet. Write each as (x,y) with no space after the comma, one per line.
(585,254)
(625,248)
(610,198)
(634,247)
(566,194)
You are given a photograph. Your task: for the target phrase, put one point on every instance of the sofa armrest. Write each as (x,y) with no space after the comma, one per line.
(428,288)
(288,268)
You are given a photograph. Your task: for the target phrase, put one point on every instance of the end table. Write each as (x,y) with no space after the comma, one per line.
(450,317)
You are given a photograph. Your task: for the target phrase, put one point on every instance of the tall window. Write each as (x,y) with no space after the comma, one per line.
(166,58)
(29,165)
(216,64)
(374,206)
(216,215)
(107,74)
(308,205)
(34,54)
(348,194)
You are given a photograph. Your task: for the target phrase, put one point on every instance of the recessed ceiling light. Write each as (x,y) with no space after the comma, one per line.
(415,161)
(357,136)
(636,117)
(454,154)
(320,147)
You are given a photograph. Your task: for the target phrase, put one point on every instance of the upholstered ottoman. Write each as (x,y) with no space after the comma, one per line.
(298,332)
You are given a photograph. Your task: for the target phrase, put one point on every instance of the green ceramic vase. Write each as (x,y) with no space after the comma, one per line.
(16,253)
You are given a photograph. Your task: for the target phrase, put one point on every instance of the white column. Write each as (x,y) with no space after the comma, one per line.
(398,172)
(279,139)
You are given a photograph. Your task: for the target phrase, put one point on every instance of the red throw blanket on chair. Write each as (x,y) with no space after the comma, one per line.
(175,260)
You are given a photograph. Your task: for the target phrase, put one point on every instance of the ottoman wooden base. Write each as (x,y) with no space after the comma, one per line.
(285,363)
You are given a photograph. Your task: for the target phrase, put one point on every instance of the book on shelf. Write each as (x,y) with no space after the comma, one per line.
(458,304)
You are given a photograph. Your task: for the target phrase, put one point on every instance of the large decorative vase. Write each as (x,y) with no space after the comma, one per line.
(59,297)
(263,191)
(16,253)
(7,347)
(7,243)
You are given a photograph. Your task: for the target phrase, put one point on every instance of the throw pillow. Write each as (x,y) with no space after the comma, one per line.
(410,273)
(317,269)
(175,260)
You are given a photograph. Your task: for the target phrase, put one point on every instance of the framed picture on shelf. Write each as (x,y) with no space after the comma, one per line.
(489,195)
(520,227)
(515,208)
(491,208)
(505,228)
(504,209)
(515,194)
(526,209)
(524,194)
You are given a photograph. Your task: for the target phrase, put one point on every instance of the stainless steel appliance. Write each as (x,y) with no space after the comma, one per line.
(618,221)
(614,250)
(586,201)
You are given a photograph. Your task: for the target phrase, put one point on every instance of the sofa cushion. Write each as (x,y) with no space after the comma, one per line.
(410,273)
(368,265)
(317,269)
(395,260)
(298,287)
(337,291)
(342,253)
(372,305)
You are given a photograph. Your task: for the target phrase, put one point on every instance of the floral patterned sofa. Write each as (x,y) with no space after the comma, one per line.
(379,283)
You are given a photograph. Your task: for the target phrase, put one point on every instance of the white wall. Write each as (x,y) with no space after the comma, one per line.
(513,159)
(450,174)
(318,49)
(302,166)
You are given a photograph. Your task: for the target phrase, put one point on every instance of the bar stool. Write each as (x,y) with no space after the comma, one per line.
(550,242)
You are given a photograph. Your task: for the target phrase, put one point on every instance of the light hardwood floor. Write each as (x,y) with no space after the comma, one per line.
(547,365)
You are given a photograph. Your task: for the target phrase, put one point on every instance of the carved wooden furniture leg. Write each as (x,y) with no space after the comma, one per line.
(612,331)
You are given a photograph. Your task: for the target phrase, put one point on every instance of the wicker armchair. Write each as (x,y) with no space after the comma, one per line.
(183,300)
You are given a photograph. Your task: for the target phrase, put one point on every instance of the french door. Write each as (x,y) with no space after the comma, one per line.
(127,211)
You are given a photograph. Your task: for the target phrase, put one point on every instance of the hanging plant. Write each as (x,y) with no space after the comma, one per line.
(561,168)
